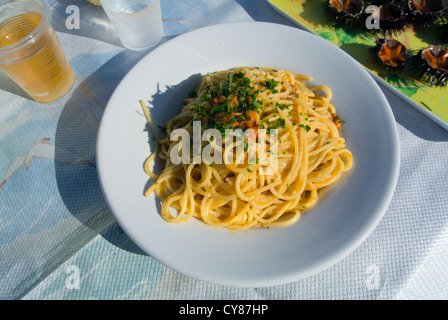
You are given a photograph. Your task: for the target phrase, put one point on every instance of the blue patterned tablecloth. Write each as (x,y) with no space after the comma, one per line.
(58,239)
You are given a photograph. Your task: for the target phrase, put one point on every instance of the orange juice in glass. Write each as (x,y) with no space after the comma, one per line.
(30,53)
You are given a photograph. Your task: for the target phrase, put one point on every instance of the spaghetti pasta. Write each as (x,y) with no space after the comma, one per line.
(304,151)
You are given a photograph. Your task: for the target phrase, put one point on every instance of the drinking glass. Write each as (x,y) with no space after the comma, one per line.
(30,53)
(138,23)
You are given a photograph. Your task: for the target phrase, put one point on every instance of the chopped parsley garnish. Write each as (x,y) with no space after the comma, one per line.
(306,127)
(207,94)
(200,110)
(233,104)
(340,120)
(271,84)
(277,124)
(281,106)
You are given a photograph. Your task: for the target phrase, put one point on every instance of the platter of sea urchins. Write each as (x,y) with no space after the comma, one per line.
(401,42)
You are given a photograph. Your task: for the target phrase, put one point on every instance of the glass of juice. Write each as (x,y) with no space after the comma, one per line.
(138,23)
(30,53)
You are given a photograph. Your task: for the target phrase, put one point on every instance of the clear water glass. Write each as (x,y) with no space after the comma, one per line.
(138,23)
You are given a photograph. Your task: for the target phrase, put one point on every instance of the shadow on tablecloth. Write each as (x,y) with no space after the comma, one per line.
(75,152)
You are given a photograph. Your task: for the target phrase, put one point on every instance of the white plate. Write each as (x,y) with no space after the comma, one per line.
(345,215)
